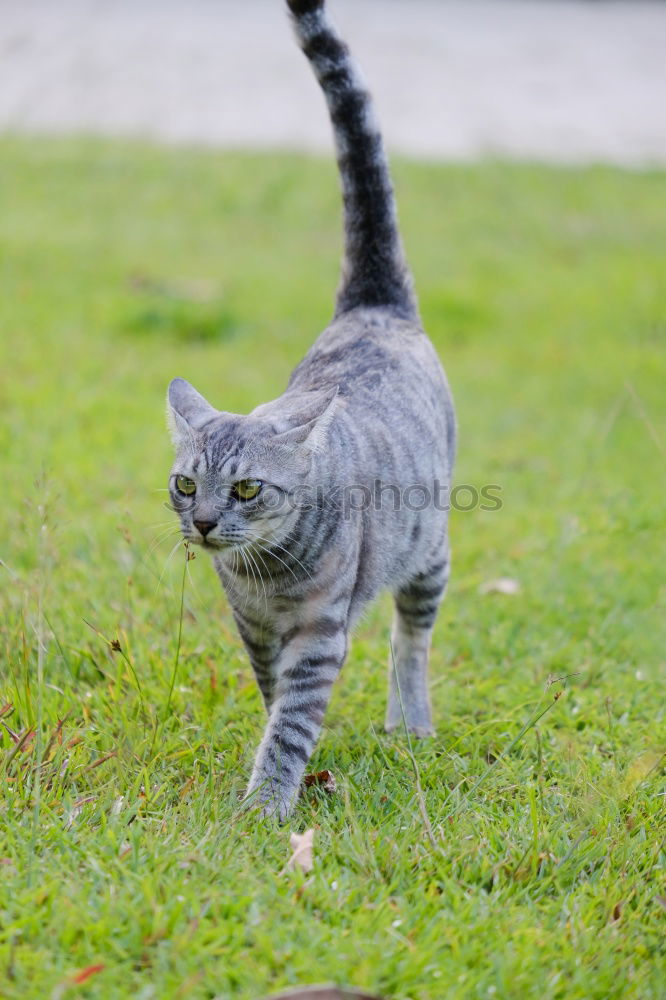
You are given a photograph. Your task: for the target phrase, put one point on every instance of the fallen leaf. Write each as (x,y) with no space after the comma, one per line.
(503,585)
(76,810)
(301,845)
(617,912)
(101,760)
(83,801)
(185,790)
(325,780)
(20,740)
(56,736)
(87,973)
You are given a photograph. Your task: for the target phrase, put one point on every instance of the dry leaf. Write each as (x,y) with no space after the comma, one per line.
(100,760)
(661,900)
(77,808)
(87,973)
(324,779)
(503,585)
(301,845)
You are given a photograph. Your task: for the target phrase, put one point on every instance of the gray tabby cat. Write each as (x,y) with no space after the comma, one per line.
(305,504)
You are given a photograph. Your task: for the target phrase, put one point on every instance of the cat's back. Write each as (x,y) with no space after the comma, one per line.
(374,356)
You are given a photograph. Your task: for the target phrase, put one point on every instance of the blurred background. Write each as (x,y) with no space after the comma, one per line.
(560,80)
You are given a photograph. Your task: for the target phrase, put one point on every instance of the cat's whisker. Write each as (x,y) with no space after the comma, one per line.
(267,550)
(257,553)
(235,564)
(194,587)
(261,579)
(156,545)
(166,565)
(291,556)
(161,538)
(251,565)
(247,591)
(281,561)
(164,530)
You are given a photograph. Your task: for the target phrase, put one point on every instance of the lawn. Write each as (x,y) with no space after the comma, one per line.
(532,862)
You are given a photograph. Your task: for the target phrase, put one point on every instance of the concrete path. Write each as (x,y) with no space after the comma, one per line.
(558,80)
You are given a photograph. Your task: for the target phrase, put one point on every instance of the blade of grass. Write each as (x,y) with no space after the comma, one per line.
(180,632)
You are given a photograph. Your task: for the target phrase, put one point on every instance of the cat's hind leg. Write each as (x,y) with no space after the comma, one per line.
(416,606)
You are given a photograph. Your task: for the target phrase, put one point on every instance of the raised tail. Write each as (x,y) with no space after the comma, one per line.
(374,271)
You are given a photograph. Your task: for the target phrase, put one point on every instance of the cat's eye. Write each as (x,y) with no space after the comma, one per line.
(185,485)
(246,489)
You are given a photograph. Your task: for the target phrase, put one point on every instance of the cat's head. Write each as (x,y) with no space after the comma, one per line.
(238,480)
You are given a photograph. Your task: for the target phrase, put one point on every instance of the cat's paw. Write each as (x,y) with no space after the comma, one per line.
(421,729)
(270,802)
(421,732)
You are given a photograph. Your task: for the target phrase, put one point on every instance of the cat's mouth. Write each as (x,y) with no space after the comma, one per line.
(211,544)
(215,544)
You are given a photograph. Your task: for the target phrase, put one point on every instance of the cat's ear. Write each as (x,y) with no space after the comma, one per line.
(187,410)
(312,421)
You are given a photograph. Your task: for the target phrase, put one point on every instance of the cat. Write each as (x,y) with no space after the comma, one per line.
(315,502)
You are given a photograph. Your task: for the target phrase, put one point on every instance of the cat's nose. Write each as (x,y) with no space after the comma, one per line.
(204,526)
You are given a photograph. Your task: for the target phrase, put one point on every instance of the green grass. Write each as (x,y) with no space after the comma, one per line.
(122,843)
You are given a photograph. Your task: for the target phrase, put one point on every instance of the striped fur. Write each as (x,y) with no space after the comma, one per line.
(374,271)
(367,412)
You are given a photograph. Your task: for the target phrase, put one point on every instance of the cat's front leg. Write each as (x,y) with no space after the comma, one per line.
(263,647)
(306,669)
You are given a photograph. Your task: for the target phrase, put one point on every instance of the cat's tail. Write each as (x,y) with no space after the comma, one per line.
(374,271)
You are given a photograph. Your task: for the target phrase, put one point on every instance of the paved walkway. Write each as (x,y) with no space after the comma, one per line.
(560,80)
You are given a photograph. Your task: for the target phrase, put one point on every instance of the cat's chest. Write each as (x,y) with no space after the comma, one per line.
(263,599)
